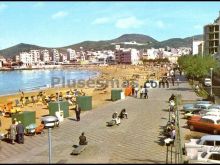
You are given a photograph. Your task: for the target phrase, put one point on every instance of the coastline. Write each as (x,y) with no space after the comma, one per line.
(99,97)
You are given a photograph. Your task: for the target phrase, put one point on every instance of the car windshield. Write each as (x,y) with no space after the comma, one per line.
(203,154)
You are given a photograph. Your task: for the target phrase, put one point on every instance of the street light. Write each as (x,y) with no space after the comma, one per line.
(211,81)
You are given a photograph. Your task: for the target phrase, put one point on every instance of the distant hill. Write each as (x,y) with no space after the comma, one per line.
(107,44)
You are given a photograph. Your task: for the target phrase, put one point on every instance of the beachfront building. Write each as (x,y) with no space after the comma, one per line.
(26,58)
(152,53)
(211,38)
(195,47)
(2,60)
(45,56)
(35,55)
(71,55)
(127,56)
(63,57)
(55,55)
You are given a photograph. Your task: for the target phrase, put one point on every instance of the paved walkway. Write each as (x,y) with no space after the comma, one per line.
(135,140)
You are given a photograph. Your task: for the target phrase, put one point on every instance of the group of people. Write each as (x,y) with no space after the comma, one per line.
(16,132)
(117,118)
(143,91)
(170,127)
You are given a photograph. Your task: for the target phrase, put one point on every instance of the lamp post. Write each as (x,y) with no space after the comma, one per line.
(49,141)
(211,81)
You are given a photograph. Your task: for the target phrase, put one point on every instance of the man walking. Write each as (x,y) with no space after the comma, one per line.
(146,93)
(77,111)
(20,132)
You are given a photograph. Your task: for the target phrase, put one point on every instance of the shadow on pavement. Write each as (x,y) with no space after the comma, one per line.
(180,89)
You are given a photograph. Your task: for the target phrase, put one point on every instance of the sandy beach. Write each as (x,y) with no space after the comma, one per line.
(99,97)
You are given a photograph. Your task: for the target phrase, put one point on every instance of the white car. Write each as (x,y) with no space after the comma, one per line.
(207,82)
(211,155)
(192,148)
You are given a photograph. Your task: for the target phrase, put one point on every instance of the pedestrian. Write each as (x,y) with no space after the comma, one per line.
(142,92)
(136,91)
(13,132)
(132,90)
(77,111)
(82,139)
(20,132)
(146,93)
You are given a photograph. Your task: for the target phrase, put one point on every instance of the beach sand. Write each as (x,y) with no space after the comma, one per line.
(99,97)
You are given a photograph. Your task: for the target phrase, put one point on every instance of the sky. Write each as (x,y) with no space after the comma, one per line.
(58,24)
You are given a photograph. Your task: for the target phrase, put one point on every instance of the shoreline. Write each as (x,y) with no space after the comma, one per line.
(48,85)
(99,96)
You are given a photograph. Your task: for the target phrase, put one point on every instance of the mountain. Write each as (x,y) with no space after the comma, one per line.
(139,38)
(178,42)
(107,44)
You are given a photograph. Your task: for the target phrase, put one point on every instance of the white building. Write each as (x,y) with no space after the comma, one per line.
(71,54)
(55,55)
(26,58)
(45,55)
(195,47)
(35,55)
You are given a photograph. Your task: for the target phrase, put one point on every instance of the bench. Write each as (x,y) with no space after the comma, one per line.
(78,149)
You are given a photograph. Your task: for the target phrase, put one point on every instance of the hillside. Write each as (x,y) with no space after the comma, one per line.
(107,44)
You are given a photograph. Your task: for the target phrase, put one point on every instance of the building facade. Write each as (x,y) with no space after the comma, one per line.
(211,37)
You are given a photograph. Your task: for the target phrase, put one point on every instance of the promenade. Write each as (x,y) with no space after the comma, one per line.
(136,140)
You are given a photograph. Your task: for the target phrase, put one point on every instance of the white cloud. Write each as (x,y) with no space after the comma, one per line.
(102,20)
(59,14)
(160,24)
(3,6)
(129,22)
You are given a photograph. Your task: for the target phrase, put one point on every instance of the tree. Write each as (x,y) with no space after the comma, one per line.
(197,66)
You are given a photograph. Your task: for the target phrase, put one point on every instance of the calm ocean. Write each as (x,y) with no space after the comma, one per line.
(26,80)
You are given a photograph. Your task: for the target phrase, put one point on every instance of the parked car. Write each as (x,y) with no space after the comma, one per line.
(214,106)
(191,148)
(210,156)
(197,112)
(213,113)
(207,82)
(204,123)
(50,121)
(197,105)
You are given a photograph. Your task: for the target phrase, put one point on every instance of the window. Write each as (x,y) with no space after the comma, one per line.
(207,121)
(217,143)
(214,156)
(209,143)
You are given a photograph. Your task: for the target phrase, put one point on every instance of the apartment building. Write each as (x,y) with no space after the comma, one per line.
(196,47)
(55,55)
(71,54)
(127,56)
(26,58)
(211,37)
(35,55)
(45,56)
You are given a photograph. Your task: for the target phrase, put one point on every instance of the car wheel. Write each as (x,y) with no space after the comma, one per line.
(215,132)
(191,127)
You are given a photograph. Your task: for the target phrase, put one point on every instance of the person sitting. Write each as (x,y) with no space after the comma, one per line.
(172,104)
(116,118)
(172,97)
(82,139)
(123,114)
